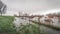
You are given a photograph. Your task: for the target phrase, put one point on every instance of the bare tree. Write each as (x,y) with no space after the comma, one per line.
(2,8)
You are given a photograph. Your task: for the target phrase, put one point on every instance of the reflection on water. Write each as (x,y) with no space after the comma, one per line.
(43,28)
(49,30)
(18,21)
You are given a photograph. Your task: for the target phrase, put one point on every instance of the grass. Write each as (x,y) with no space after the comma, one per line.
(6,25)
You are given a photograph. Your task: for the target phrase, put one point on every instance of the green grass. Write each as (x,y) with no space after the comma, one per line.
(6,25)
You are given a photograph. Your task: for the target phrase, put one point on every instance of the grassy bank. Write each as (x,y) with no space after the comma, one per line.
(6,25)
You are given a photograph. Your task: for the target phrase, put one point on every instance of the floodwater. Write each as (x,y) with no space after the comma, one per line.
(43,28)
(18,21)
(49,30)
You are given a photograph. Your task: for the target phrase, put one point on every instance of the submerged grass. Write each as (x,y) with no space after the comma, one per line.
(30,29)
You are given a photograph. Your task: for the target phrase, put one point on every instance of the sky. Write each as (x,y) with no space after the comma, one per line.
(32,6)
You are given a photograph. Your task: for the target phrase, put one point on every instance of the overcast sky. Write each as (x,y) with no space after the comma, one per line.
(31,5)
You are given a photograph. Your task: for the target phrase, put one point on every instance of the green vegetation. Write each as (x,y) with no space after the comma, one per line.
(30,29)
(6,25)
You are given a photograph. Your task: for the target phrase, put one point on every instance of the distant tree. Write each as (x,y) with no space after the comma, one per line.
(26,14)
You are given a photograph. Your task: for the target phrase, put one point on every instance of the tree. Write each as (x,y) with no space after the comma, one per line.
(2,8)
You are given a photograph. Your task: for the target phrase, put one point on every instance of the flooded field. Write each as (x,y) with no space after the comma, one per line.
(42,28)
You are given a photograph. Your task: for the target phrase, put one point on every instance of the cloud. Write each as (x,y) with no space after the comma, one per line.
(31,6)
